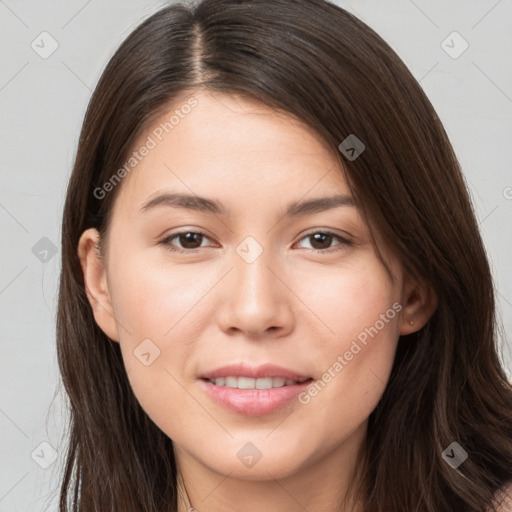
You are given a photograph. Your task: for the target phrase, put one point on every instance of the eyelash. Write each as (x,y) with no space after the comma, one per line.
(343,241)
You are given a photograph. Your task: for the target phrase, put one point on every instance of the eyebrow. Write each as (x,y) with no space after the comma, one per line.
(205,205)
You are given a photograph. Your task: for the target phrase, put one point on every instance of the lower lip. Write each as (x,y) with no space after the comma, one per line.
(254,402)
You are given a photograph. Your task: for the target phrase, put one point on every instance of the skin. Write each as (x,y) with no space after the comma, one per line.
(208,307)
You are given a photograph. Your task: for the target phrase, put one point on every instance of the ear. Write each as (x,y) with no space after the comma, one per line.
(420,302)
(95,279)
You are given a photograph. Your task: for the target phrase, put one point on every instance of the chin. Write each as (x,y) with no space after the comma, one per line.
(245,461)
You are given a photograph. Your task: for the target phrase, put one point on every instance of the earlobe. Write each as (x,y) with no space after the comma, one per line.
(95,280)
(419,305)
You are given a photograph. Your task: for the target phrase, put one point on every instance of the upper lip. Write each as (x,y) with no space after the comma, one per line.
(256,372)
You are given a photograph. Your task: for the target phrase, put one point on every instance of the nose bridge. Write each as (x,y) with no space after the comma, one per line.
(255,299)
(252,264)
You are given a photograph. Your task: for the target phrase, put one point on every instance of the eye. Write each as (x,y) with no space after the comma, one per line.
(190,240)
(323,239)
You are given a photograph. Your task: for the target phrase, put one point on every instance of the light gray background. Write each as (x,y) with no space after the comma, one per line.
(43,102)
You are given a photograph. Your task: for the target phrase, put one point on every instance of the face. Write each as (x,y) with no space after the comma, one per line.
(251,282)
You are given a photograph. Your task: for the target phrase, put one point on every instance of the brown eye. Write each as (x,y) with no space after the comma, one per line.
(321,241)
(188,240)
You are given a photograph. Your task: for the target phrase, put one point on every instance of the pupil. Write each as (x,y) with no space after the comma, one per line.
(321,236)
(189,239)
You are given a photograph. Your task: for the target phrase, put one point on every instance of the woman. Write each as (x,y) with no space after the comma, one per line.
(258,368)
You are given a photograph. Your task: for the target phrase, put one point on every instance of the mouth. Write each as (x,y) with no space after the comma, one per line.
(240,382)
(253,391)
(248,375)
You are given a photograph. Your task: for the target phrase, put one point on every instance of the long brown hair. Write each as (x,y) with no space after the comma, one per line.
(319,63)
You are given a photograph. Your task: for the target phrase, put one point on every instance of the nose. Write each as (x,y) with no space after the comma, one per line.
(255,299)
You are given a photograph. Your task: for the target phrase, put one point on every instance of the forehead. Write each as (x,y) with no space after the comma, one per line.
(214,144)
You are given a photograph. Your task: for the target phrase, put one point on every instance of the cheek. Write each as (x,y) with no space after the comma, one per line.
(362,311)
(158,307)
(155,300)
(350,300)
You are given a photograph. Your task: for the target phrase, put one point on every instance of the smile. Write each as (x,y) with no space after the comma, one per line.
(252,383)
(243,396)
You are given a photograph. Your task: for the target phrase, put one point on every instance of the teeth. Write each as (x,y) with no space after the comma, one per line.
(251,383)
(263,383)
(231,382)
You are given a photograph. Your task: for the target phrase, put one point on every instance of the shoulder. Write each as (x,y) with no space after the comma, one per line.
(504,498)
